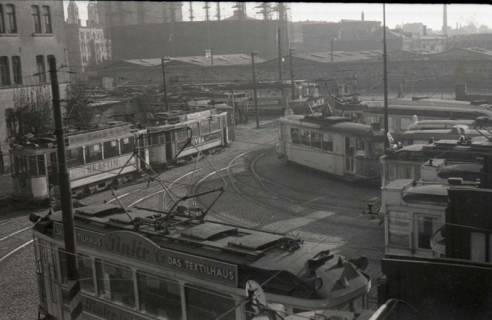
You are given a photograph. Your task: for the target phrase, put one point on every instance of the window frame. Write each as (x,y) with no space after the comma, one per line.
(5,79)
(46,19)
(16,69)
(36,16)
(2,20)
(41,67)
(11,25)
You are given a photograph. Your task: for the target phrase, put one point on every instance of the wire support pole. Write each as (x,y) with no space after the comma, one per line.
(385,80)
(66,196)
(255,94)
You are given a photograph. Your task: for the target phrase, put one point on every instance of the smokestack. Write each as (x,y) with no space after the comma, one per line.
(362,16)
(445,20)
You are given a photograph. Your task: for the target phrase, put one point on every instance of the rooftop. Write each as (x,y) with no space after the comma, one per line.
(202,61)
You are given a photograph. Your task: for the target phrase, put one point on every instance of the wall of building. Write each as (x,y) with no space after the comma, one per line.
(27,45)
(193,38)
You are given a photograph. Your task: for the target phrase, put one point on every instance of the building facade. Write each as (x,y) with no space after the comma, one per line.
(30,32)
(87,45)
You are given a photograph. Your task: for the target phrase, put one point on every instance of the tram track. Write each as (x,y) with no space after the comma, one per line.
(9,244)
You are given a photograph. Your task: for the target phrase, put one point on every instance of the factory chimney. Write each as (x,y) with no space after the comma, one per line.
(362,16)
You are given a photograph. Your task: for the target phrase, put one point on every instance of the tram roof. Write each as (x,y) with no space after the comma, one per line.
(253,252)
(336,124)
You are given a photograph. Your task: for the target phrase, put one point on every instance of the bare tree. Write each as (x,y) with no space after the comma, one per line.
(31,113)
(78,112)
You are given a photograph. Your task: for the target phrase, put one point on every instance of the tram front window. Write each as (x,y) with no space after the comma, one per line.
(159,297)
(203,304)
(115,283)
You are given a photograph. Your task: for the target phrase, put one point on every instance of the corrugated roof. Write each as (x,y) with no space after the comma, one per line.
(203,61)
(340,56)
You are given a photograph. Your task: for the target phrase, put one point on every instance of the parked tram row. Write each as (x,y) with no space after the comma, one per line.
(115,153)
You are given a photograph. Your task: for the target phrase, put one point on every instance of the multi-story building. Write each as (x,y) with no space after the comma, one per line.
(30,33)
(87,45)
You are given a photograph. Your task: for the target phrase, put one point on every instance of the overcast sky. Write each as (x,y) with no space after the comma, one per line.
(429,14)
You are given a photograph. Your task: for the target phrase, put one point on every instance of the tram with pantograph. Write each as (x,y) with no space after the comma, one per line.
(145,264)
(334,145)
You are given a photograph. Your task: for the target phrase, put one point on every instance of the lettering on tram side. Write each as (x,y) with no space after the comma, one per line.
(106,311)
(136,246)
(105,165)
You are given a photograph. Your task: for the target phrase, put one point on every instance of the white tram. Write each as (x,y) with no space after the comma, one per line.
(94,158)
(170,141)
(332,144)
(137,264)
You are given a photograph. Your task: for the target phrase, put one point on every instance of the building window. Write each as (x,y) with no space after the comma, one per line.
(159,297)
(41,68)
(36,18)
(424,232)
(10,15)
(47,19)
(17,69)
(2,20)
(4,71)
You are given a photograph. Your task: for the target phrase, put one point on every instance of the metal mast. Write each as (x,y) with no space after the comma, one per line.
(385,80)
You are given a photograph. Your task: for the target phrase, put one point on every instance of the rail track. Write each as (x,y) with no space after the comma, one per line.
(14,241)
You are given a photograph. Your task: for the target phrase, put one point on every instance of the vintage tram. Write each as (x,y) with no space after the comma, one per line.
(116,152)
(94,157)
(334,145)
(141,264)
(177,134)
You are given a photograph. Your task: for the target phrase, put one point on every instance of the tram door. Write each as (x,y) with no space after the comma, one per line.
(349,154)
(170,141)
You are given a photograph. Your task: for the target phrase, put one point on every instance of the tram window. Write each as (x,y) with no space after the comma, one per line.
(158,138)
(52,163)
(181,135)
(305,137)
(33,171)
(93,152)
(111,149)
(194,129)
(85,273)
(214,124)
(203,304)
(159,297)
(204,126)
(115,283)
(327,142)
(127,145)
(22,164)
(75,157)
(294,134)
(316,140)
(41,166)
(425,230)
(378,148)
(359,144)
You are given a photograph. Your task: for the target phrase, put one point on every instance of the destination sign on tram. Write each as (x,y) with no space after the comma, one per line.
(136,246)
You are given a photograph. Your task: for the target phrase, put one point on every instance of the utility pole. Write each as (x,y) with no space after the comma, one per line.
(164,86)
(191,11)
(280,79)
(218,11)
(385,81)
(255,97)
(66,200)
(291,68)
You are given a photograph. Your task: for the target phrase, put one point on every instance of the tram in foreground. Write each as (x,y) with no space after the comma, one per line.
(141,264)
(334,145)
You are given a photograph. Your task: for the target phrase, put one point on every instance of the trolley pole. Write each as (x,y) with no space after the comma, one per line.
(291,68)
(164,86)
(255,96)
(72,296)
(385,81)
